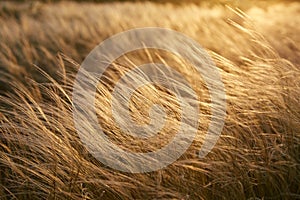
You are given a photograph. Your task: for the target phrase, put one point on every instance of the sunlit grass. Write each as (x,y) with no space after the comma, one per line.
(41,155)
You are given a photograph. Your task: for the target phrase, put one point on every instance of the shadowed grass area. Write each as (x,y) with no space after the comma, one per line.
(256,52)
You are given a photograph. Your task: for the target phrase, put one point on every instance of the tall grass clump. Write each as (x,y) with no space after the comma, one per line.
(42,156)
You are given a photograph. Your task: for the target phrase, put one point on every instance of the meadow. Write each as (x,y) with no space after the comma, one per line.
(255,46)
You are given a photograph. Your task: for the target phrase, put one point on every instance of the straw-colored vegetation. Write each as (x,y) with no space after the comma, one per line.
(257,53)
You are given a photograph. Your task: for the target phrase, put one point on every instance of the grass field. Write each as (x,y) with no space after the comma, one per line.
(256,50)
